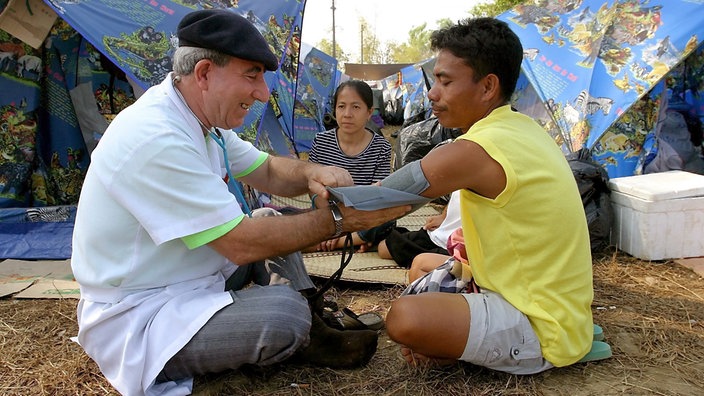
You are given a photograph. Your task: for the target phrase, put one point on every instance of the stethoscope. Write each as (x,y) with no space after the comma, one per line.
(232,183)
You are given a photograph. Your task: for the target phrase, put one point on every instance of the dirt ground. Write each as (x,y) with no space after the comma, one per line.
(652,315)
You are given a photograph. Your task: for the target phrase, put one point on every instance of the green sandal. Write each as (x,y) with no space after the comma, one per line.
(598,333)
(600,351)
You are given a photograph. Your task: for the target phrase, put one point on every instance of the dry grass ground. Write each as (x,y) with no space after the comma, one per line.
(652,315)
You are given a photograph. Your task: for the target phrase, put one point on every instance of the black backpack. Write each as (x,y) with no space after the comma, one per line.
(593,184)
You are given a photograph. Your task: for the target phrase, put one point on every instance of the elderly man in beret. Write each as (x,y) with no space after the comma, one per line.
(163,251)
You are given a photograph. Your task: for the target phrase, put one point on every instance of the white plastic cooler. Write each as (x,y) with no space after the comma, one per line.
(659,216)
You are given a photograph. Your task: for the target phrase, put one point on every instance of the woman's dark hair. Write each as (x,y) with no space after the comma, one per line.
(487,45)
(363,90)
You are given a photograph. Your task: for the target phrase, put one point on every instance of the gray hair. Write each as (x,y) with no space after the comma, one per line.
(185,59)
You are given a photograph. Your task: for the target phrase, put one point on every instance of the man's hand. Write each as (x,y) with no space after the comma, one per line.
(321,177)
(355,220)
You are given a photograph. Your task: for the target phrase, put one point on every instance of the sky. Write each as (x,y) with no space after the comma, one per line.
(390,20)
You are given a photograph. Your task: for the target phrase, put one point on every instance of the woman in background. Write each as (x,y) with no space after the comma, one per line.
(352,146)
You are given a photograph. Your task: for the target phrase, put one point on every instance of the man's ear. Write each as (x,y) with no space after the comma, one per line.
(492,86)
(200,72)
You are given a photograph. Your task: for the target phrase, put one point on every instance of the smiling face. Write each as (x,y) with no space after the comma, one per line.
(458,100)
(231,90)
(351,112)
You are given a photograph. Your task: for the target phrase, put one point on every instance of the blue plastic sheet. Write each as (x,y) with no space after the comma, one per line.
(36,233)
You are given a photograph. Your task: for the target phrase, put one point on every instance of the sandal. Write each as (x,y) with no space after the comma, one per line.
(598,333)
(600,351)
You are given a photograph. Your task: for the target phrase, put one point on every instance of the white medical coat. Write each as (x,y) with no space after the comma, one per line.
(153,179)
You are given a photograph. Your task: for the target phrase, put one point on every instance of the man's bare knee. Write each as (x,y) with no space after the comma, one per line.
(401,319)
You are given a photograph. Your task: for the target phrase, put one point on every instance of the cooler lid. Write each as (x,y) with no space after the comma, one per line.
(660,186)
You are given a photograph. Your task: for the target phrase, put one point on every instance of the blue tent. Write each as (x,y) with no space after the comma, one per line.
(45,140)
(590,61)
(317,79)
(406,93)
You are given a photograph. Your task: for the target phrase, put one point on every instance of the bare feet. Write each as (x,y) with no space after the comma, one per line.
(416,359)
(339,243)
(325,246)
(330,244)
(365,247)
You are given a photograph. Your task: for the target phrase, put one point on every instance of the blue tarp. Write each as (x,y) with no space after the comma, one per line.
(37,233)
(44,155)
(140,37)
(590,61)
(317,79)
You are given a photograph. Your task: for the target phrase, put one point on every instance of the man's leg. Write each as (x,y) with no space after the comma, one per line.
(263,326)
(276,307)
(435,325)
(501,337)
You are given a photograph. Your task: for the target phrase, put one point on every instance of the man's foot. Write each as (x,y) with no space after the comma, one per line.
(416,359)
(337,349)
(366,247)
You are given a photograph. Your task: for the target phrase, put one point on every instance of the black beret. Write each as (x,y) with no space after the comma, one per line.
(224,31)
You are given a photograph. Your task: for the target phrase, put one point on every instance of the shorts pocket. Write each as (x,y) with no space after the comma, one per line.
(530,348)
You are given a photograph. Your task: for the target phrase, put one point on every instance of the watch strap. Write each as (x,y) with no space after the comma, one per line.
(337,218)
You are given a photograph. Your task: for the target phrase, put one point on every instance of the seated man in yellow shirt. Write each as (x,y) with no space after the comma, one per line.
(522,217)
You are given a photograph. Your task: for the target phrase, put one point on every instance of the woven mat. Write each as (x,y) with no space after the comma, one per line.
(367,267)
(363,268)
(300,202)
(415,220)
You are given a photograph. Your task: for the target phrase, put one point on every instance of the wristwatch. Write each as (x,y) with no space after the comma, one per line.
(336,217)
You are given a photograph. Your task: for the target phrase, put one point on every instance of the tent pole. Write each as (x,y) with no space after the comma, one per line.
(334,50)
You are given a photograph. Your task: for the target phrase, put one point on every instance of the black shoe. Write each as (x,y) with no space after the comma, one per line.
(327,308)
(345,319)
(337,349)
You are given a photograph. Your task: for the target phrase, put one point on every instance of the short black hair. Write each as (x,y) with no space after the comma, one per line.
(487,45)
(362,88)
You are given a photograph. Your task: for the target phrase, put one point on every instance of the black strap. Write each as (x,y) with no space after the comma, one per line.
(347,252)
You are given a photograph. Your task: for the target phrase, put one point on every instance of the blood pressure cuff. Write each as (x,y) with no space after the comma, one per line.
(403,187)
(409,178)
